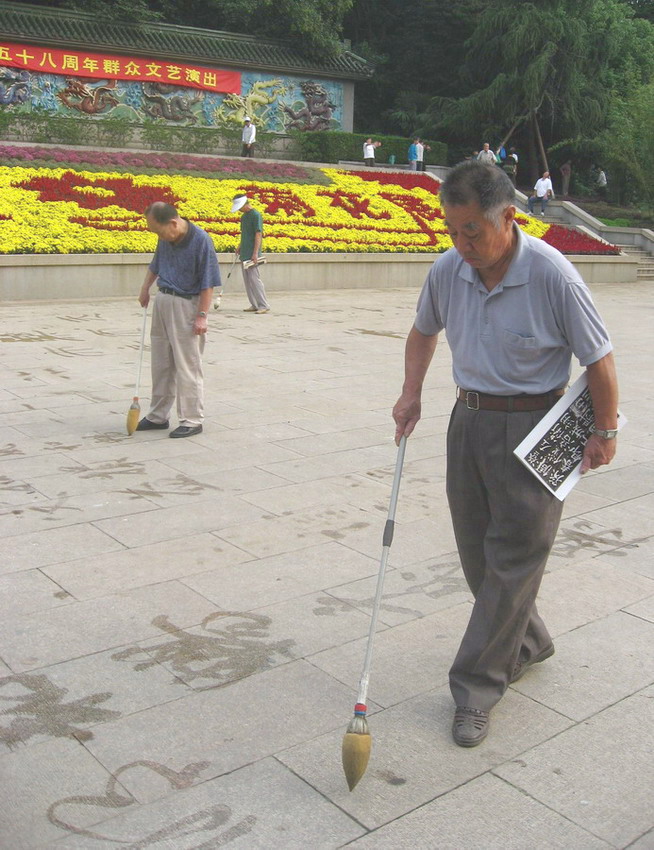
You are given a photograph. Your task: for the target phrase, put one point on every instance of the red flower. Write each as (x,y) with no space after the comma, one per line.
(570,241)
(123,192)
(411,180)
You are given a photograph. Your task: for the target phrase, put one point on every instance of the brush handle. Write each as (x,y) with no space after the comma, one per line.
(138,371)
(387,540)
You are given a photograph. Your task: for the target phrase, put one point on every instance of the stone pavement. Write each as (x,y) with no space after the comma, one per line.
(184,621)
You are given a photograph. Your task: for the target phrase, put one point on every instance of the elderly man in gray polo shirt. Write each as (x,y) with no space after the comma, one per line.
(515,311)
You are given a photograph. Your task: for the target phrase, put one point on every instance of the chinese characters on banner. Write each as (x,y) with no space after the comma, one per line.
(553,450)
(75,63)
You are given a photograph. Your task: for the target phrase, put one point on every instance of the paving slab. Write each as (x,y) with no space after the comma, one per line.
(414,759)
(599,774)
(589,590)
(35,779)
(258,807)
(504,819)
(409,592)
(178,521)
(223,727)
(594,666)
(31,591)
(49,546)
(31,641)
(276,578)
(141,566)
(400,671)
(184,621)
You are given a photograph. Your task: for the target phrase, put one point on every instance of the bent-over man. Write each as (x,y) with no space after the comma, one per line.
(515,311)
(185,267)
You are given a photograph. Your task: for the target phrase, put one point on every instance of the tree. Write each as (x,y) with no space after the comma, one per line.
(134,11)
(313,26)
(554,68)
(416,48)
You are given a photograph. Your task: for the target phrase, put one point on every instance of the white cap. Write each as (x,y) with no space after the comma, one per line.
(246,119)
(238,203)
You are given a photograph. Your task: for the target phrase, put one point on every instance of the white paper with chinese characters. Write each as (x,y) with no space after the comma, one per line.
(553,450)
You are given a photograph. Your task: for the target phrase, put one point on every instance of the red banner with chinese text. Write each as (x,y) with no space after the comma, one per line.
(103,66)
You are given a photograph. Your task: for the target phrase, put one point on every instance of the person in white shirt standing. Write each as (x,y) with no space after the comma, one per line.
(421,148)
(542,192)
(369,152)
(486,155)
(248,137)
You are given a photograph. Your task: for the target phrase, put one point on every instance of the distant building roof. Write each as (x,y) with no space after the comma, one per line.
(83,30)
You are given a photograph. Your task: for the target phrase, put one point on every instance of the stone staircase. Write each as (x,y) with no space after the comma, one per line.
(646,265)
(645,269)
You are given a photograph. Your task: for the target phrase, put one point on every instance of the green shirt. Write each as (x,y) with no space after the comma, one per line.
(251,224)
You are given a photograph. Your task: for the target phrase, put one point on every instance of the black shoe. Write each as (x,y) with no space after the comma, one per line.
(521,667)
(470,726)
(146,425)
(186,431)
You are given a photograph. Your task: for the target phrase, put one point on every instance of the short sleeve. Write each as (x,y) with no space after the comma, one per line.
(428,320)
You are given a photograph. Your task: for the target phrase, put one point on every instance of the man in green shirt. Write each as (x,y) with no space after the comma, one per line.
(249,252)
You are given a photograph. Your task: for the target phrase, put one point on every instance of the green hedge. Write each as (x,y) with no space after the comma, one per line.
(332,146)
(41,127)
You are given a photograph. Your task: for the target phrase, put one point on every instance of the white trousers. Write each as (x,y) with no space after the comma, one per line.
(176,361)
(254,288)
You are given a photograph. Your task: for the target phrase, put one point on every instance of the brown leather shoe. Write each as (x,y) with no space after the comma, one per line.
(470,726)
(521,667)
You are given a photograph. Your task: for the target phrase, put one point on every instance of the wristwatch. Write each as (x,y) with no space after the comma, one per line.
(203,315)
(611,434)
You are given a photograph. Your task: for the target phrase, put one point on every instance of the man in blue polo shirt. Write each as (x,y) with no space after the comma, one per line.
(185,267)
(515,311)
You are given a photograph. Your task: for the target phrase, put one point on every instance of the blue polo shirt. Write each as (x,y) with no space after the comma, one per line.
(520,336)
(187,266)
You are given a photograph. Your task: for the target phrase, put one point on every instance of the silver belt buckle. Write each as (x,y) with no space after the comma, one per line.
(469,405)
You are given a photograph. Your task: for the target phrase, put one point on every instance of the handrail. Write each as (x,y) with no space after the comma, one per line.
(569,213)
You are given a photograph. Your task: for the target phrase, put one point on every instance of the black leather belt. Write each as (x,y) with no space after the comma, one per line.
(508,403)
(167,291)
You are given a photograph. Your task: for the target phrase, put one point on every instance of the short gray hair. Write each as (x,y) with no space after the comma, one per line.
(161,212)
(475,182)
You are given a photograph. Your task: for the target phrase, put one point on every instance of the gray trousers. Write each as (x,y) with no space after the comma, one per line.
(176,361)
(505,523)
(254,288)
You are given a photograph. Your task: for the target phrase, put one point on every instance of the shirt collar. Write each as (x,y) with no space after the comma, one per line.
(518,271)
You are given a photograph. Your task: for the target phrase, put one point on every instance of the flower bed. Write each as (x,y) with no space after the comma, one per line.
(155,162)
(72,211)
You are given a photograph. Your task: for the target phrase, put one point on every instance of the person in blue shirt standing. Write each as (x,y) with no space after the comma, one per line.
(185,267)
(413,155)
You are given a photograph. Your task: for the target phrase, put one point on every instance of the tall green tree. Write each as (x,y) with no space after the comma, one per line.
(416,48)
(313,26)
(552,67)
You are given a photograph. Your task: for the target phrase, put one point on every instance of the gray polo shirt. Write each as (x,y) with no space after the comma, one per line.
(520,337)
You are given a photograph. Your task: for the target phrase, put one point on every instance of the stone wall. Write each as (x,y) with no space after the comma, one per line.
(64,277)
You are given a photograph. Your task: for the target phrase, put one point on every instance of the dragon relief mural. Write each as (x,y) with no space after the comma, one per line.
(91,100)
(15,87)
(316,112)
(160,103)
(275,104)
(257,103)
